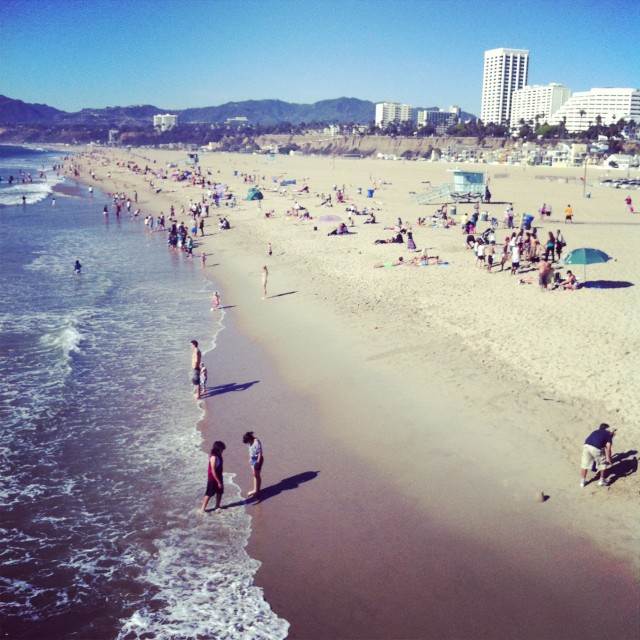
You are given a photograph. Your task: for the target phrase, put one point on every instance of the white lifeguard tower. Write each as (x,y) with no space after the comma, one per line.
(467,186)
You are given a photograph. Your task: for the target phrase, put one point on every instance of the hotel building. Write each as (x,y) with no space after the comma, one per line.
(165,122)
(535,101)
(441,119)
(610,104)
(505,71)
(388,112)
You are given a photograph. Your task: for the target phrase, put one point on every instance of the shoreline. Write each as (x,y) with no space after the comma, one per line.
(394,353)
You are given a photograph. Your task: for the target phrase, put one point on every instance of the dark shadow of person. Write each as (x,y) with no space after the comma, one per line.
(226,388)
(622,465)
(274,490)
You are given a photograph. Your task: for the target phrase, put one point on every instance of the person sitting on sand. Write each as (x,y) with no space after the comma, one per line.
(371,219)
(397,263)
(570,283)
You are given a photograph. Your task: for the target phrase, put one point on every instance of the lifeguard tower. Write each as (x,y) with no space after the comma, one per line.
(467,186)
(192,158)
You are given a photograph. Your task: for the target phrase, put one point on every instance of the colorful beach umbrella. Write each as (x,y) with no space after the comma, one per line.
(585,256)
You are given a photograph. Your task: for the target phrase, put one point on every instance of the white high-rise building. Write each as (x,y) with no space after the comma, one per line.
(537,102)
(505,70)
(584,107)
(164,122)
(388,112)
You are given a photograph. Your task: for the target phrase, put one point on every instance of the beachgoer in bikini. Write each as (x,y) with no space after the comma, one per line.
(265,277)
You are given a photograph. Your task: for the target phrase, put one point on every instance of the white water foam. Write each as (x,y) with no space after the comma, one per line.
(226,605)
(33,192)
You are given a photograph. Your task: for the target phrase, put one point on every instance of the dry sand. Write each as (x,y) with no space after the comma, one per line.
(433,403)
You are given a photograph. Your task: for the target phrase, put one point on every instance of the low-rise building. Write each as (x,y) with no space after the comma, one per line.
(439,118)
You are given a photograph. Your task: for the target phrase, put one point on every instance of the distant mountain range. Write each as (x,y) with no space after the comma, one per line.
(267,112)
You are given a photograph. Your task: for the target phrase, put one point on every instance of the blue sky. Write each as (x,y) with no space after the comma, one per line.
(175,54)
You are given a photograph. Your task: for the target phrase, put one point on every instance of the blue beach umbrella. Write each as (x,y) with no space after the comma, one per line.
(585,256)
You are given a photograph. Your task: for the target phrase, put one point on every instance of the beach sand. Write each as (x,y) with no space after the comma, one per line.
(411,416)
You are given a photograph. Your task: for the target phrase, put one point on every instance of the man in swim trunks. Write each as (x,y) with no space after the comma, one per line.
(196,364)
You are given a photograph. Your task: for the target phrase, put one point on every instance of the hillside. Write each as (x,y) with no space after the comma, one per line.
(19,112)
(265,112)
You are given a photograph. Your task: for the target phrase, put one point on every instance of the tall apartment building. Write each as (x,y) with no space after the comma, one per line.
(164,122)
(611,104)
(537,101)
(388,112)
(505,70)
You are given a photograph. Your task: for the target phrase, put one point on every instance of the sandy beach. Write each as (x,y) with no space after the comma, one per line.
(411,416)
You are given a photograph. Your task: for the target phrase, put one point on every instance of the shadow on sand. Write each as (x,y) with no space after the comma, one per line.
(226,388)
(623,465)
(607,284)
(287,484)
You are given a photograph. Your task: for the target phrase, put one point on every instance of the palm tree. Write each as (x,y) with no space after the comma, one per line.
(582,112)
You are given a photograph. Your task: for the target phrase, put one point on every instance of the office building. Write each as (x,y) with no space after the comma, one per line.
(388,112)
(537,103)
(583,108)
(505,71)
(165,122)
(439,118)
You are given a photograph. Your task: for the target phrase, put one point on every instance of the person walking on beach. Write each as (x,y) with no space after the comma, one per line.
(215,480)
(627,205)
(265,277)
(256,458)
(597,450)
(568,214)
(196,364)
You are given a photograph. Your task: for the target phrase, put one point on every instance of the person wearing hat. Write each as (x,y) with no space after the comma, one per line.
(597,450)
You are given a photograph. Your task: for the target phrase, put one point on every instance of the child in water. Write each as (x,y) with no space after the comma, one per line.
(216,300)
(203,379)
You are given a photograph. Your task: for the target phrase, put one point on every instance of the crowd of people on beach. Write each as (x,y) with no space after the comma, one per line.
(521,251)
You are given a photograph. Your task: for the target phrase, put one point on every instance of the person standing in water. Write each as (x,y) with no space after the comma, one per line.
(78,267)
(257,458)
(196,364)
(215,481)
(265,277)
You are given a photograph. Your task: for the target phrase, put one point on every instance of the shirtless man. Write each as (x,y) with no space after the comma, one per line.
(543,273)
(196,364)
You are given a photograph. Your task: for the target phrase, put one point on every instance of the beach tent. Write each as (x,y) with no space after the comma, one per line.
(254,194)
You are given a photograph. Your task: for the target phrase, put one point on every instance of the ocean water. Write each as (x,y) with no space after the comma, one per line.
(102,464)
